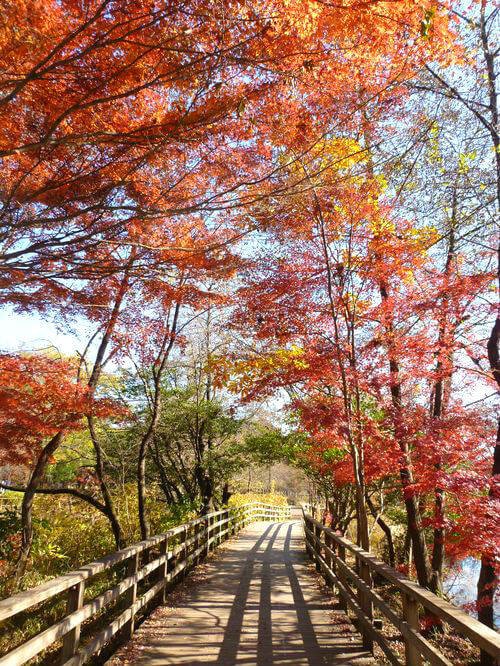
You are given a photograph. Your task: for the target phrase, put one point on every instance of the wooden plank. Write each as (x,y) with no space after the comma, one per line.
(479,634)
(38,643)
(410,615)
(131,598)
(100,640)
(364,620)
(70,625)
(426,649)
(72,638)
(24,600)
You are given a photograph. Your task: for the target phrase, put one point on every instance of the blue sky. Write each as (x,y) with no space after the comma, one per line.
(30,332)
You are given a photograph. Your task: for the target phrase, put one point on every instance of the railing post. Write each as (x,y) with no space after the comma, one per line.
(410,616)
(366,603)
(317,546)
(328,558)
(72,638)
(342,601)
(163,568)
(196,555)
(309,545)
(334,547)
(234,525)
(184,533)
(216,531)
(206,524)
(131,594)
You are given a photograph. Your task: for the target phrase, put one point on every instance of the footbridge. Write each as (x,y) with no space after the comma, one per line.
(255,585)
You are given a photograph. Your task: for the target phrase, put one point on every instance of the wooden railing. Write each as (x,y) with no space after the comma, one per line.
(140,576)
(354,583)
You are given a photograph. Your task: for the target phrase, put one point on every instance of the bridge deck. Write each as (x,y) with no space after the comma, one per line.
(260,604)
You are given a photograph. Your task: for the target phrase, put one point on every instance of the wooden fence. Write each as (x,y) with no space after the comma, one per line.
(353,572)
(140,575)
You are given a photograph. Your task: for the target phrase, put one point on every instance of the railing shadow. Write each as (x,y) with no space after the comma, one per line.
(248,635)
(232,635)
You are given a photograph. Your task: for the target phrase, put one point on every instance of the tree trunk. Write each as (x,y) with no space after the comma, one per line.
(163,354)
(488,580)
(225,494)
(415,529)
(444,370)
(27,504)
(362,531)
(141,485)
(106,495)
(206,488)
(407,549)
(386,530)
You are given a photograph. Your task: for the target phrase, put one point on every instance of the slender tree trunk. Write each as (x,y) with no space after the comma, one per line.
(386,530)
(27,504)
(206,488)
(438,406)
(407,549)
(362,531)
(488,581)
(415,528)
(106,494)
(141,480)
(163,354)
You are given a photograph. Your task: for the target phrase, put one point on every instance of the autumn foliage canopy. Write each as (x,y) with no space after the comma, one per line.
(282,163)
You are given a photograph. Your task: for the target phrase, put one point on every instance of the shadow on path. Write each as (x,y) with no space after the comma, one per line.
(260,606)
(232,634)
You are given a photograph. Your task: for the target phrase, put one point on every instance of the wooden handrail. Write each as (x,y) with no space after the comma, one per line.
(356,590)
(177,550)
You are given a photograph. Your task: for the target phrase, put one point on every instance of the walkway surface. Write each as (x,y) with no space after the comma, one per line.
(259,604)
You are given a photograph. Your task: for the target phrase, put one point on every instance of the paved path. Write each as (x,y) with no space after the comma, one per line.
(260,604)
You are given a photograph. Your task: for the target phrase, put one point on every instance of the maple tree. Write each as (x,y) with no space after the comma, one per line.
(116,113)
(355,291)
(40,397)
(479,100)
